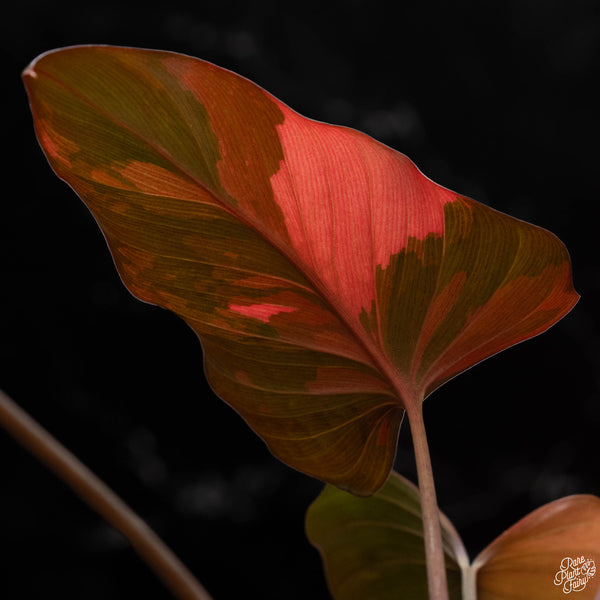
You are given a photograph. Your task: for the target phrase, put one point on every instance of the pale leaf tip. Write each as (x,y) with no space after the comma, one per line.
(30,72)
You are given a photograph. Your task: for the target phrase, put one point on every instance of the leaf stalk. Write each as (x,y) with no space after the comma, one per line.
(102,499)
(432,532)
(469,583)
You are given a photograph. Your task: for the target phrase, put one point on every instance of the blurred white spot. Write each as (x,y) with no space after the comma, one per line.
(206,497)
(241,45)
(148,465)
(402,121)
(237,499)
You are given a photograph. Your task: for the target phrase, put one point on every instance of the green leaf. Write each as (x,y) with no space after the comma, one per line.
(332,285)
(373,547)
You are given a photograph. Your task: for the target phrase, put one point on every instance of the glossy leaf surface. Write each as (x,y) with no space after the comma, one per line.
(552,552)
(373,547)
(332,284)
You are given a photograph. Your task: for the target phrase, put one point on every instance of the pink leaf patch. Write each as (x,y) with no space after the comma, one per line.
(333,286)
(262,312)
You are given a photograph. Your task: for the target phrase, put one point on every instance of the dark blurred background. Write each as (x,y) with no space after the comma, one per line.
(497,100)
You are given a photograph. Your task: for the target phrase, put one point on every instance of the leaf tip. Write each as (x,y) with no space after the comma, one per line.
(30,69)
(29,72)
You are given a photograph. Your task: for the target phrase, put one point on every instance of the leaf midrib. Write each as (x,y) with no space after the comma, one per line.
(380,361)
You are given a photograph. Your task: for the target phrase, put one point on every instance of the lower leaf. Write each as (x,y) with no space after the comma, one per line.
(553,551)
(372,548)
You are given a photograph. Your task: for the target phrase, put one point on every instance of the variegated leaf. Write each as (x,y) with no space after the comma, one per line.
(331,283)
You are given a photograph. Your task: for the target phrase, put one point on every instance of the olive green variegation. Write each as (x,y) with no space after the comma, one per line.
(332,285)
(373,547)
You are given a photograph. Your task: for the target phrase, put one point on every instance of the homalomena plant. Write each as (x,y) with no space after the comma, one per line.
(332,285)
(372,548)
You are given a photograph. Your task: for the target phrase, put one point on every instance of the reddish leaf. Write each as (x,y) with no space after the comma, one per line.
(330,282)
(553,551)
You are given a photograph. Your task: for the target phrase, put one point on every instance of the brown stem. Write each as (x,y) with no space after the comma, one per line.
(434,551)
(102,499)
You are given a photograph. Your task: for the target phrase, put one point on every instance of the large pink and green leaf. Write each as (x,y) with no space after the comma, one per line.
(373,548)
(331,283)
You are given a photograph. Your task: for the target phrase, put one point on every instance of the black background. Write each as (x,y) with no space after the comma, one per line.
(495,99)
